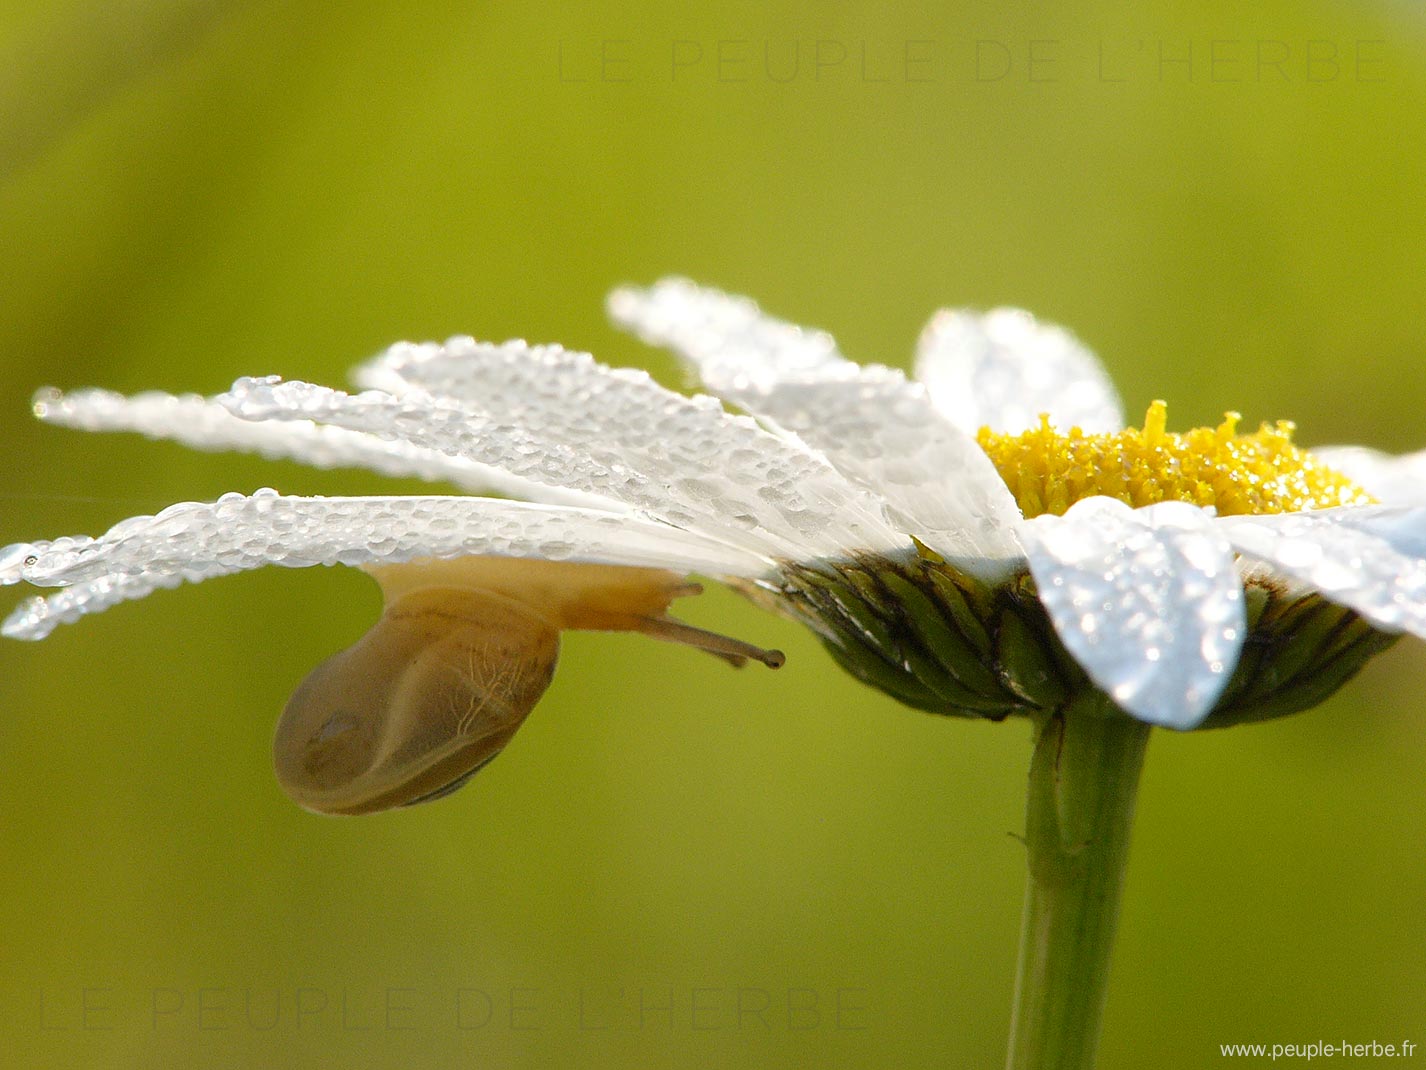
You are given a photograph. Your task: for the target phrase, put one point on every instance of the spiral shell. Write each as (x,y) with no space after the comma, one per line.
(416,706)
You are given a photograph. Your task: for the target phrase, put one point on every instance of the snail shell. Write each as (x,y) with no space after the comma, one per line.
(416,706)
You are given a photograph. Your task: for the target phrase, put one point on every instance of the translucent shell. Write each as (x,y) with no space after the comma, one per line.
(463,650)
(418,705)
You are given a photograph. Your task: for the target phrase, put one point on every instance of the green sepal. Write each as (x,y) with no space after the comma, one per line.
(967,606)
(899,684)
(937,639)
(946,644)
(1026,662)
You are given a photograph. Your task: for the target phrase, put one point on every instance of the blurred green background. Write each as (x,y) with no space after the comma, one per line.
(677,865)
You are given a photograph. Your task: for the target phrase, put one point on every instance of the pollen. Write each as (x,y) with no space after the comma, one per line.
(1263,472)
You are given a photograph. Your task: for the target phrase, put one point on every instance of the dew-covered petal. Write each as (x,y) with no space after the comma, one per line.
(870,422)
(202,423)
(193,541)
(567,422)
(1370,559)
(727,338)
(1148,601)
(36,617)
(1390,479)
(880,430)
(1003,369)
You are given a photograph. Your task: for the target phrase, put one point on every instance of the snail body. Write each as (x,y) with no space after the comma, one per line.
(462,652)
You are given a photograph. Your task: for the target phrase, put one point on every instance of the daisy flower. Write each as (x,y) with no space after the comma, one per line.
(984,539)
(1197,579)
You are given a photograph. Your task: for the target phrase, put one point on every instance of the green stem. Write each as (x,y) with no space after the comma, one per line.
(1083,779)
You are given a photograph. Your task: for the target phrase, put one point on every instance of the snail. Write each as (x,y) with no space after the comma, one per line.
(462,652)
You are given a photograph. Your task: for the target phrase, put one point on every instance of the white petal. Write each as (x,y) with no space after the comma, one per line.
(869,422)
(1371,559)
(193,541)
(1148,601)
(1002,369)
(203,424)
(35,618)
(881,431)
(558,418)
(727,337)
(1389,479)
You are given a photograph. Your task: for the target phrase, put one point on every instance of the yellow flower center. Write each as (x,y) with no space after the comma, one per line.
(1048,471)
